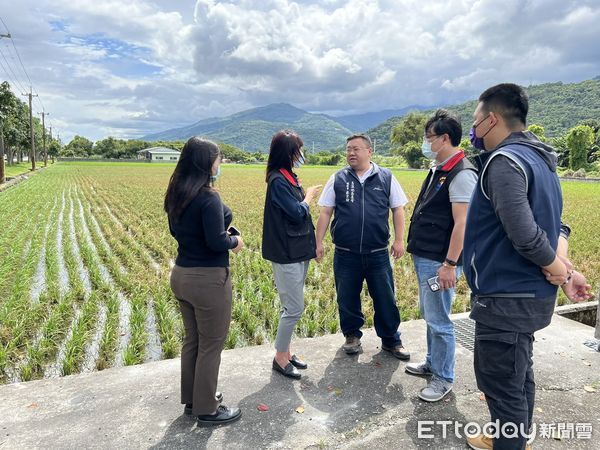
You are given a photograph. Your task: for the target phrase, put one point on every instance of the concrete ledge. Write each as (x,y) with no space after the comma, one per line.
(365,401)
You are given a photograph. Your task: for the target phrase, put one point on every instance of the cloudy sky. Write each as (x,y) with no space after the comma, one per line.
(110,67)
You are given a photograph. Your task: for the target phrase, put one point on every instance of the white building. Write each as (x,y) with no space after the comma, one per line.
(158,154)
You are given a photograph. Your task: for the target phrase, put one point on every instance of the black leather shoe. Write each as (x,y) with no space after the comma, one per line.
(289,370)
(223,415)
(398,351)
(187,410)
(298,363)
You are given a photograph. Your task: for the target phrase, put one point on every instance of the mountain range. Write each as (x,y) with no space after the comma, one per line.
(555,106)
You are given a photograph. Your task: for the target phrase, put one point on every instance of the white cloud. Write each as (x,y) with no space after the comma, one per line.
(131,68)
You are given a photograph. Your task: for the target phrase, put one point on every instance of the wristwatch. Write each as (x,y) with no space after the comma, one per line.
(451,262)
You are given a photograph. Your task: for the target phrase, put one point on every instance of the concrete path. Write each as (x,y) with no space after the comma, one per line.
(365,401)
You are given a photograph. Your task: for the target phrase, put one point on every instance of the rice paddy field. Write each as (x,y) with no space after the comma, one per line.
(85,257)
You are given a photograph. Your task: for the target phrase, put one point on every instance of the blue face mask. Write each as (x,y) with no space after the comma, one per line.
(298,163)
(214,177)
(426,150)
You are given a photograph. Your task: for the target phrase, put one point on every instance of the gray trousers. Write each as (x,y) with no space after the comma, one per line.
(289,280)
(204,295)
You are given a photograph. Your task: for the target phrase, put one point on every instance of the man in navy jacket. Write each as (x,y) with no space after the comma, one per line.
(510,254)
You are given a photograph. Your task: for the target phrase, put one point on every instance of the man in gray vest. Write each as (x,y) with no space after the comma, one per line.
(361,195)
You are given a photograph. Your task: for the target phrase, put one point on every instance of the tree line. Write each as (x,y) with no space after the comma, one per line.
(15,136)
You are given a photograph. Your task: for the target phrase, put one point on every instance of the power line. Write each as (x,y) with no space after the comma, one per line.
(21,62)
(16,51)
(15,80)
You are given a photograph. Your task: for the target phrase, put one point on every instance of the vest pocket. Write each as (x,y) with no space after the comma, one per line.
(300,243)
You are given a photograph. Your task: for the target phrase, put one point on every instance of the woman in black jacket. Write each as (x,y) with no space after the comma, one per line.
(288,241)
(200,280)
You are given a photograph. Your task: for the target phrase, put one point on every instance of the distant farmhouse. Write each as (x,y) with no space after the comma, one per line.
(158,154)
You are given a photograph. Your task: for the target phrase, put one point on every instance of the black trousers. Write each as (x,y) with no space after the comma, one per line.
(503,369)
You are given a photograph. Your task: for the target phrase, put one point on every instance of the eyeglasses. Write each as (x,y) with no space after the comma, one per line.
(353,149)
(431,138)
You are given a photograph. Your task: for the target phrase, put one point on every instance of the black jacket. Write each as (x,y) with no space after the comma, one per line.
(287,237)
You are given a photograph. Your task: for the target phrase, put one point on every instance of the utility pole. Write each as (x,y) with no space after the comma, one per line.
(2,173)
(50,135)
(43,114)
(32,154)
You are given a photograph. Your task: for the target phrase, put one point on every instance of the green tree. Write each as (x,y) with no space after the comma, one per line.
(406,138)
(538,130)
(470,151)
(110,148)
(562,149)
(413,156)
(53,149)
(8,103)
(79,146)
(579,139)
(410,129)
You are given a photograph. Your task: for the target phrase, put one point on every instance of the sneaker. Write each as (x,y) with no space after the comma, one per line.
(352,345)
(436,390)
(483,442)
(398,351)
(421,369)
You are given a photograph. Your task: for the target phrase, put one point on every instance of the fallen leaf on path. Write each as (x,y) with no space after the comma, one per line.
(262,407)
(589,389)
(33,405)
(330,388)
(482,397)
(377,364)
(300,409)
(539,410)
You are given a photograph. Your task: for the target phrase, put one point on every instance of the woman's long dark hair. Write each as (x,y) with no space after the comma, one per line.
(284,151)
(191,175)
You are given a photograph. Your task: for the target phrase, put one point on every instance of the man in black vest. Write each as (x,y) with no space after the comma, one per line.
(362,195)
(435,240)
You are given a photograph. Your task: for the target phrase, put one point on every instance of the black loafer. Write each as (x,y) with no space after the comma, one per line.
(223,415)
(298,363)
(187,410)
(289,370)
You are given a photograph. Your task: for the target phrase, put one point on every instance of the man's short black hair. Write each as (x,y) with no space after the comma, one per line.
(509,100)
(442,123)
(363,136)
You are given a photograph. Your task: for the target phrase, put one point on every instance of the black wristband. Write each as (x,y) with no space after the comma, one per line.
(451,262)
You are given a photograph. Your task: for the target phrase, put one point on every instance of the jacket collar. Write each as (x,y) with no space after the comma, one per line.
(290,177)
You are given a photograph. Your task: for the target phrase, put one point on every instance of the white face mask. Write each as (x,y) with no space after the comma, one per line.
(298,163)
(426,150)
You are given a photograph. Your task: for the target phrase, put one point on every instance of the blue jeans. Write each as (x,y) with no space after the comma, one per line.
(436,308)
(350,270)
